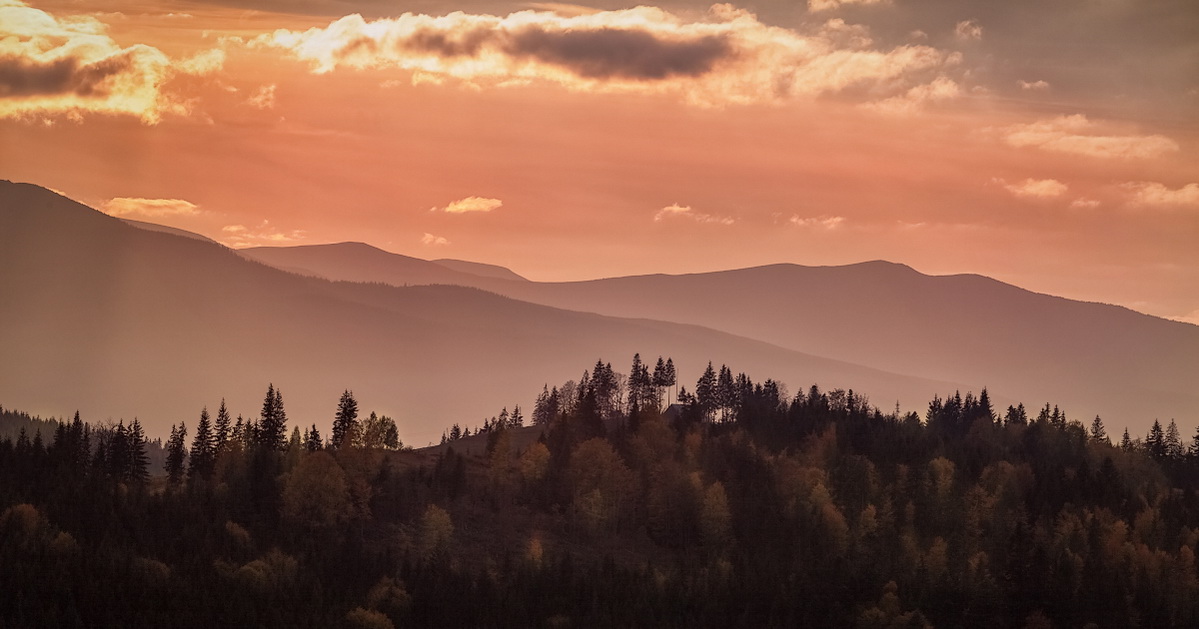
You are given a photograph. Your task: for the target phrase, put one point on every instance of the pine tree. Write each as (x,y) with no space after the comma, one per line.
(176,454)
(313,442)
(118,451)
(517,420)
(272,428)
(137,469)
(726,392)
(705,392)
(203,450)
(345,421)
(1194,451)
(1173,442)
(1098,434)
(545,410)
(1126,442)
(223,426)
(1155,442)
(660,382)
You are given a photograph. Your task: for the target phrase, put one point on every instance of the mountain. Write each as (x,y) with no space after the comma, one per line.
(478,268)
(118,321)
(1090,358)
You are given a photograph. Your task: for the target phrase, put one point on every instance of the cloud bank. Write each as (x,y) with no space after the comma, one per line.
(70,66)
(150,208)
(727,57)
(1076,134)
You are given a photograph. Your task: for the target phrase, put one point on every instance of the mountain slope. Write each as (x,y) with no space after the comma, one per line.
(120,322)
(1092,358)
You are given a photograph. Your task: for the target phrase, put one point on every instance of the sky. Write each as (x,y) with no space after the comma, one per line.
(1052,145)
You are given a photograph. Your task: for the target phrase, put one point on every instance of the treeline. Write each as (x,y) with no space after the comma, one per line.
(739,505)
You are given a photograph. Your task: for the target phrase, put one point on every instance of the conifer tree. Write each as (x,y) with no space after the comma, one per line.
(1155,442)
(705,392)
(313,442)
(659,381)
(137,469)
(670,376)
(272,427)
(517,420)
(1098,434)
(345,421)
(118,451)
(1173,442)
(203,450)
(223,426)
(1126,442)
(176,454)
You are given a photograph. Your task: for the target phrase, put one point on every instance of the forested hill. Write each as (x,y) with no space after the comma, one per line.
(738,507)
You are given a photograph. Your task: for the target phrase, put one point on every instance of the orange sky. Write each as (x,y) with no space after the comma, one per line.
(1053,147)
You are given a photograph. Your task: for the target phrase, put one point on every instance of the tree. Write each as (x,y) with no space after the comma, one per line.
(223,426)
(313,442)
(1155,441)
(137,462)
(203,451)
(705,392)
(1126,442)
(726,393)
(641,386)
(317,496)
(380,432)
(1173,442)
(176,454)
(659,381)
(1016,416)
(1097,433)
(345,421)
(272,427)
(545,409)
(670,377)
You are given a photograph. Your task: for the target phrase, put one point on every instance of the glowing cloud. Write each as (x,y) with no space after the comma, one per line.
(685,211)
(819,222)
(54,67)
(968,30)
(1153,194)
(1083,203)
(264,98)
(151,208)
(1035,188)
(1033,85)
(433,241)
(471,204)
(1072,134)
(828,5)
(263,234)
(917,98)
(728,57)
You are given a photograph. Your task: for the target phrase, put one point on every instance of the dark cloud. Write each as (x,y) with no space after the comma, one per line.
(619,53)
(22,77)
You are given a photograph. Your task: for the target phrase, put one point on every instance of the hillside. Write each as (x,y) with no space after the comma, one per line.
(1091,358)
(120,322)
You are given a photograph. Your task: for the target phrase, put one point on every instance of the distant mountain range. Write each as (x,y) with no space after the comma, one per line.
(1090,358)
(118,320)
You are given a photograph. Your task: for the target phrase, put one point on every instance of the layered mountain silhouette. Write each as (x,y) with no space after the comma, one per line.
(120,321)
(1090,358)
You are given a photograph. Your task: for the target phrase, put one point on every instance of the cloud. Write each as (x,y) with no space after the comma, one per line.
(68,67)
(828,5)
(1034,85)
(1083,203)
(149,208)
(818,222)
(684,211)
(433,241)
(968,30)
(727,56)
(1075,134)
(1035,188)
(471,204)
(264,98)
(263,234)
(1153,194)
(917,98)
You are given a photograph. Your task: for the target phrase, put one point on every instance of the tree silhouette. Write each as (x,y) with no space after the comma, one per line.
(272,427)
(176,454)
(203,450)
(1097,432)
(345,421)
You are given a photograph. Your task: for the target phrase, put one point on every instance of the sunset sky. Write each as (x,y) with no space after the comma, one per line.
(1053,145)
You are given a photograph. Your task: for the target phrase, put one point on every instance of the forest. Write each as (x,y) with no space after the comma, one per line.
(735,504)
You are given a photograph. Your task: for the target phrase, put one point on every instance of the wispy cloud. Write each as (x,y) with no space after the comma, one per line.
(727,57)
(1033,85)
(828,5)
(1078,135)
(263,234)
(1153,194)
(917,99)
(817,222)
(433,241)
(149,208)
(471,204)
(264,98)
(1035,188)
(684,211)
(53,67)
(968,30)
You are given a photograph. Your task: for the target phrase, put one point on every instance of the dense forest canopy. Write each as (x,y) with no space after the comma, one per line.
(739,505)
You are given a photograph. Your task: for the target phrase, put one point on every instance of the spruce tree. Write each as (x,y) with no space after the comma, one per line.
(1126,442)
(1155,442)
(137,469)
(272,428)
(223,426)
(1098,434)
(345,420)
(203,450)
(1173,441)
(313,443)
(176,454)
